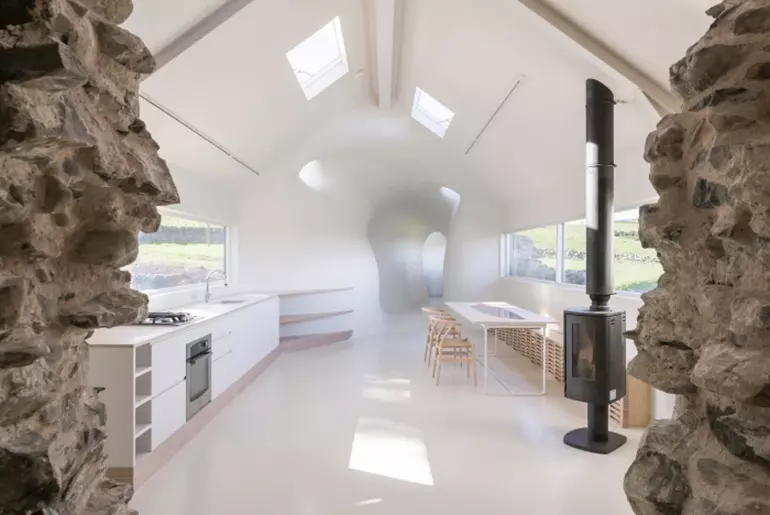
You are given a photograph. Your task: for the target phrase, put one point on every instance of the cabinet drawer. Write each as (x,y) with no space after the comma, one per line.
(222,372)
(169,413)
(221,344)
(169,363)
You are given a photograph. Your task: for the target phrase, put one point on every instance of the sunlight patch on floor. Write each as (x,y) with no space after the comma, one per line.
(390,381)
(387,395)
(389,449)
(369,502)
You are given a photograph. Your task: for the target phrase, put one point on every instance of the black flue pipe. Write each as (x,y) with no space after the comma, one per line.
(600,186)
(597,330)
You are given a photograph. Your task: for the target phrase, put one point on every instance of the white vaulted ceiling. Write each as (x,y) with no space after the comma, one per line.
(227,76)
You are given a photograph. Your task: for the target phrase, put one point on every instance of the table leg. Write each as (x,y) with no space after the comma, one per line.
(486,359)
(540,331)
(545,362)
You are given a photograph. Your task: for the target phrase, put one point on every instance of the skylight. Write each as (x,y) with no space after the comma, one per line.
(431,113)
(320,60)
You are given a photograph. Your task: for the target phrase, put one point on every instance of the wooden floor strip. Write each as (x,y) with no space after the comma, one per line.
(149,463)
(311,341)
(295,319)
(153,461)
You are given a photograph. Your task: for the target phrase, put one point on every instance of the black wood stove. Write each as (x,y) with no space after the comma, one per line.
(595,350)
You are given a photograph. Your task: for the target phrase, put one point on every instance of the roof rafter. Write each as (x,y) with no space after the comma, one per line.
(386,25)
(198,31)
(662,99)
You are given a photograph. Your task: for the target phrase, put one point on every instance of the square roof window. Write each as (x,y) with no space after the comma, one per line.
(320,60)
(431,113)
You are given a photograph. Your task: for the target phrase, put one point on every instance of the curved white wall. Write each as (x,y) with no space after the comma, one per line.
(294,237)
(397,232)
(472,262)
(433,254)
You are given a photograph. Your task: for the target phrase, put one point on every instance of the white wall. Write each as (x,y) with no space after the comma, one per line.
(398,230)
(283,236)
(552,299)
(633,121)
(472,263)
(433,256)
(295,237)
(202,197)
(205,196)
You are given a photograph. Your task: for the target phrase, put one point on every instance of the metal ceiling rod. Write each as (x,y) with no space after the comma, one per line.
(499,107)
(198,133)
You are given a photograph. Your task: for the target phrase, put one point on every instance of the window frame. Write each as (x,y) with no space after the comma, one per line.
(314,84)
(424,118)
(506,265)
(505,254)
(228,259)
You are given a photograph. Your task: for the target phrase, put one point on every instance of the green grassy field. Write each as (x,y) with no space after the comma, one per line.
(628,275)
(575,238)
(190,255)
(174,221)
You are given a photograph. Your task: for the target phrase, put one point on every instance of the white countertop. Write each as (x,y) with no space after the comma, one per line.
(136,335)
(315,291)
(528,319)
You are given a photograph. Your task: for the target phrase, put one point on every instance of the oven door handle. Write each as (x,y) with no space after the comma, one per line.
(202,355)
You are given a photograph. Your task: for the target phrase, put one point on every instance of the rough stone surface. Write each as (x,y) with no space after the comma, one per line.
(704,332)
(80,176)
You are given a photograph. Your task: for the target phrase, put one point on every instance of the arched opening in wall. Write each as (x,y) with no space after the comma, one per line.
(312,174)
(433,254)
(450,196)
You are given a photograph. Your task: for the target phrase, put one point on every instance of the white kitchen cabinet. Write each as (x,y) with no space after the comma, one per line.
(222,344)
(222,374)
(144,372)
(169,362)
(169,413)
(221,335)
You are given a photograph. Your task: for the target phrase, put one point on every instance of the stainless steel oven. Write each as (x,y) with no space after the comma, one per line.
(198,375)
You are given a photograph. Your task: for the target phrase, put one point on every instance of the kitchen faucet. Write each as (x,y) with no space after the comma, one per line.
(207,296)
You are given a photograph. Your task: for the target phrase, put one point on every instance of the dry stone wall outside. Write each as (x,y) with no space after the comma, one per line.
(80,176)
(704,332)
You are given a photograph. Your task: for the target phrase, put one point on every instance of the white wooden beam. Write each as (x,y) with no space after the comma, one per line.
(198,31)
(664,99)
(662,111)
(387,20)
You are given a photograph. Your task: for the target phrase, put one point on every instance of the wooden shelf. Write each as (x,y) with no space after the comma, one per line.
(295,319)
(141,399)
(309,341)
(140,429)
(140,371)
(312,292)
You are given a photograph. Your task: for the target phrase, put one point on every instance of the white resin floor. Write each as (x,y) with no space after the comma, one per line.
(360,428)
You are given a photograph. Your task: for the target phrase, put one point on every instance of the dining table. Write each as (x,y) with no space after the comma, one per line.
(491,316)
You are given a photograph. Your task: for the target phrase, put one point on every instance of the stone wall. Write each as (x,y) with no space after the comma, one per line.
(704,333)
(79,178)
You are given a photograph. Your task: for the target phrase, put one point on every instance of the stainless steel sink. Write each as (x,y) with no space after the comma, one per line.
(231,301)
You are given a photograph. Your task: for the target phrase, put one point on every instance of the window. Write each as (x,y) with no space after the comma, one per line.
(558,253)
(635,269)
(532,253)
(575,252)
(320,60)
(182,252)
(431,113)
